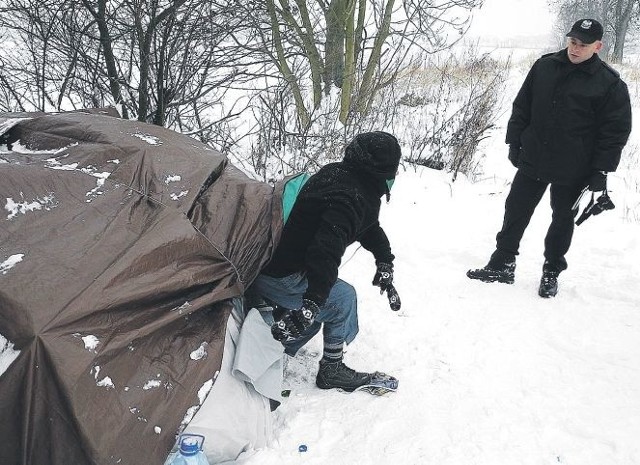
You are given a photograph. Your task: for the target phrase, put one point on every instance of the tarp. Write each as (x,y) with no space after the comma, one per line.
(236,419)
(121,245)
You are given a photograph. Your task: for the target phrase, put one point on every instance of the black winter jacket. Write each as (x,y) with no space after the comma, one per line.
(570,120)
(336,207)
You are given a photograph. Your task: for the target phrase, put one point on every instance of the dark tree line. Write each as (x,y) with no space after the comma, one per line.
(165,61)
(159,61)
(296,77)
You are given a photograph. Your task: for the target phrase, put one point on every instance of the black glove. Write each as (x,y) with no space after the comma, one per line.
(514,155)
(598,181)
(384,276)
(394,298)
(294,322)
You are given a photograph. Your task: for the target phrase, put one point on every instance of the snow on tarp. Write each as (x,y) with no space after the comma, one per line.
(7,354)
(121,245)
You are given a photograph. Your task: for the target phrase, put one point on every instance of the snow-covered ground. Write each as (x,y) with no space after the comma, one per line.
(489,373)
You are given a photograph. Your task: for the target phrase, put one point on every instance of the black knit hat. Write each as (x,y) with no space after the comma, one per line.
(376,153)
(586,31)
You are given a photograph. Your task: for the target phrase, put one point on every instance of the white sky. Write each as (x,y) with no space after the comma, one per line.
(512,18)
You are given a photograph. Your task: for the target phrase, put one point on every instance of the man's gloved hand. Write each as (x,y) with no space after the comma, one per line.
(598,181)
(384,276)
(394,298)
(514,155)
(294,322)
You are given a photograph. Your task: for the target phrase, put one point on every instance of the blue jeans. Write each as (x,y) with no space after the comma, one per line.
(338,317)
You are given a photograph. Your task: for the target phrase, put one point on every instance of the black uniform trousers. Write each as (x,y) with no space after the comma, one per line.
(523,198)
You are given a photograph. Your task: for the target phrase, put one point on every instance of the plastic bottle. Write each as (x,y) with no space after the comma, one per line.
(189,451)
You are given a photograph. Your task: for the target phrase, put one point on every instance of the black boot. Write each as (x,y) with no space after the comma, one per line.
(504,273)
(338,375)
(548,283)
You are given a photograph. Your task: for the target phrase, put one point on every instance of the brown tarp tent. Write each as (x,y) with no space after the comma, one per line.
(121,245)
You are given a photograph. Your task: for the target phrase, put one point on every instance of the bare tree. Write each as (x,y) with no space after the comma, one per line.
(625,12)
(309,72)
(351,48)
(161,61)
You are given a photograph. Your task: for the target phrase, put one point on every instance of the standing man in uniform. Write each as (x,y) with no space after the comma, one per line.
(569,123)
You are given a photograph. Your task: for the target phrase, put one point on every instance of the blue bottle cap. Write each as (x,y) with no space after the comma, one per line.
(302,448)
(189,446)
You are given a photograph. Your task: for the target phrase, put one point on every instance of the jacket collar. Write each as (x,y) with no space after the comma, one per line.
(590,66)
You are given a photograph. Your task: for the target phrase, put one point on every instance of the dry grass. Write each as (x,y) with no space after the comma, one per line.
(447,106)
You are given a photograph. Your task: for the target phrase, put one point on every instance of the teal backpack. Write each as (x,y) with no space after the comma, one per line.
(292,188)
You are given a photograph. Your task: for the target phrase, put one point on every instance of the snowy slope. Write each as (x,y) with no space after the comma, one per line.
(489,373)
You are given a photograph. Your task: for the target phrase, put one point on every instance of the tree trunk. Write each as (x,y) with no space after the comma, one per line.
(313,55)
(107,50)
(283,67)
(366,93)
(144,42)
(621,27)
(349,64)
(335,20)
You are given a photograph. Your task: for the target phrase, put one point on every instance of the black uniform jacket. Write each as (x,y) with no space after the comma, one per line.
(336,207)
(570,120)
